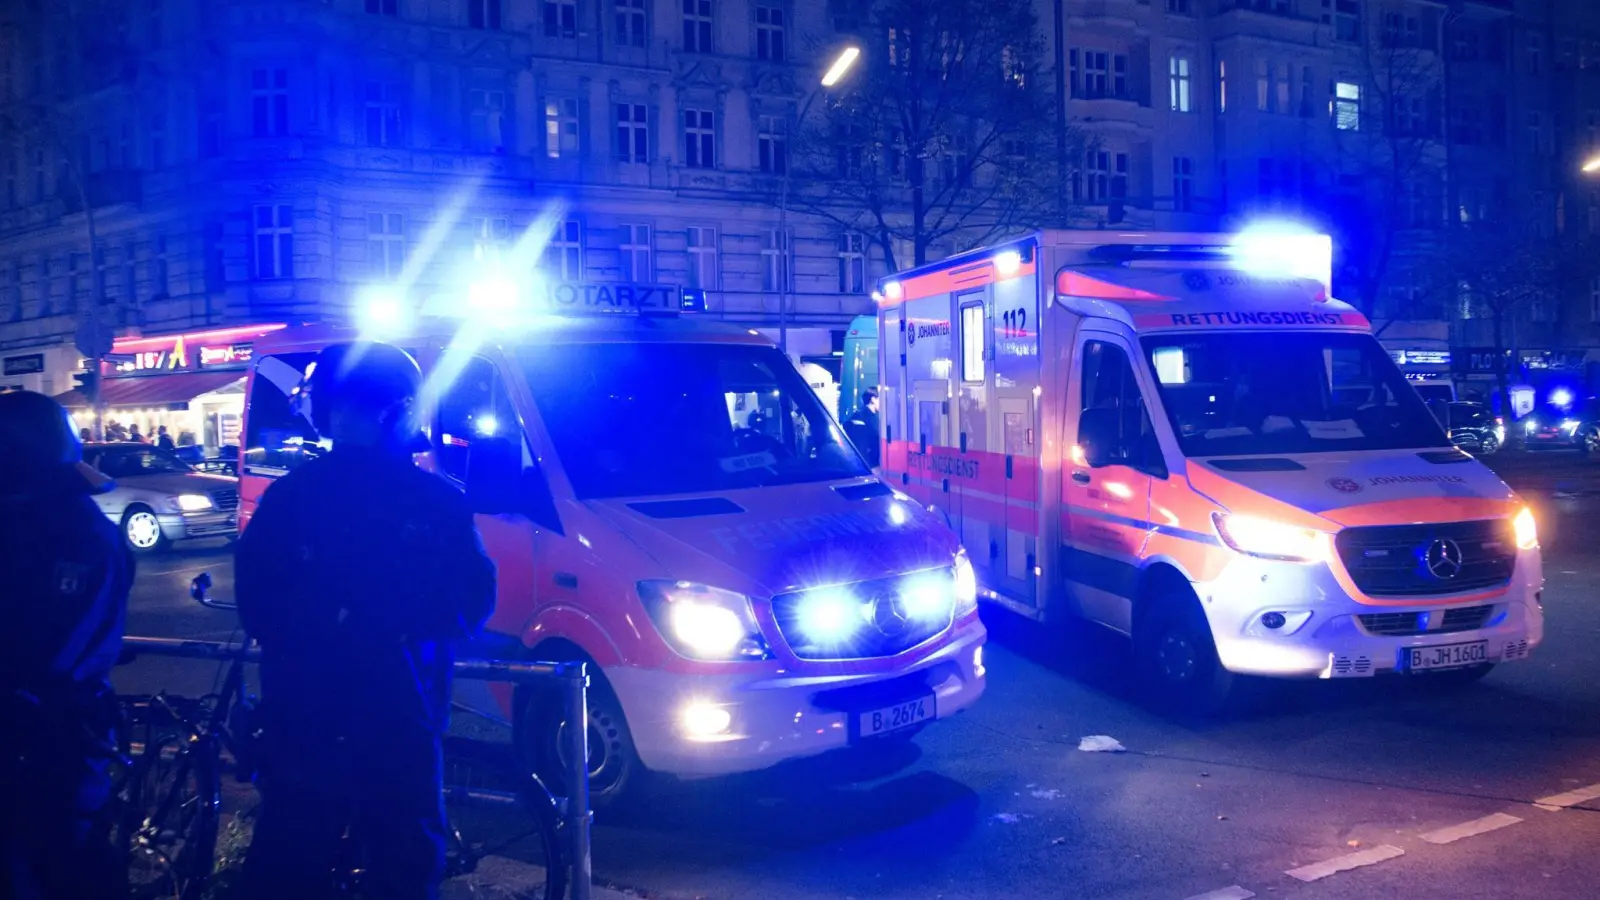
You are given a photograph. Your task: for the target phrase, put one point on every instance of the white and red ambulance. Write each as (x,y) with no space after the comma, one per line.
(1179,437)
(681,512)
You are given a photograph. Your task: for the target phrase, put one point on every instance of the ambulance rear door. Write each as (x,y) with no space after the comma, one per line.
(1013,437)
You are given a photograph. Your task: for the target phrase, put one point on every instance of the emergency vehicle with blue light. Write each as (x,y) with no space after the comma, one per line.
(1184,438)
(667,500)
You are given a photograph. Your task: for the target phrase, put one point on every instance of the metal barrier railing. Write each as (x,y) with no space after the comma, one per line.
(574,678)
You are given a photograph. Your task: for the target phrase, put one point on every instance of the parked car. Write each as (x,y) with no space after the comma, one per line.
(1576,428)
(1474,427)
(160,499)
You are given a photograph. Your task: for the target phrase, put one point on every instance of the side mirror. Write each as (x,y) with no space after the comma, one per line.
(1099,434)
(494,476)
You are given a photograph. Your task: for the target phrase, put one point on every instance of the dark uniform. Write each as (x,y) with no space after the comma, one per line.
(66,575)
(861,426)
(356,573)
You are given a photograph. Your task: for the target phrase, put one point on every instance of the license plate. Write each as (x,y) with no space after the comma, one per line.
(1449,656)
(896,717)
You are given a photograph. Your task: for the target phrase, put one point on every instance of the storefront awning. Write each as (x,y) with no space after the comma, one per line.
(153,390)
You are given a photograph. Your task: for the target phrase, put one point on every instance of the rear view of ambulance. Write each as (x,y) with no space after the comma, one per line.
(1183,438)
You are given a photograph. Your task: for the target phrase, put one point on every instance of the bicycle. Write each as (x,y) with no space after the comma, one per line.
(166,810)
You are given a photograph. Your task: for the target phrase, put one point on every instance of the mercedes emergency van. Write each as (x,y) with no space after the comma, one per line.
(1181,438)
(667,500)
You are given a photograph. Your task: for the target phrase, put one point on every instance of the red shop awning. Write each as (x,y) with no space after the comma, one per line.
(153,390)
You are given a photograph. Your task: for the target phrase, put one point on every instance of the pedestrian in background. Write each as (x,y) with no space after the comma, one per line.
(135,436)
(164,440)
(357,573)
(861,426)
(67,574)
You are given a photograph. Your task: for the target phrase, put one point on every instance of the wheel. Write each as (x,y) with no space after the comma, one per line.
(1177,658)
(1590,446)
(142,530)
(1452,679)
(1491,444)
(613,762)
(496,809)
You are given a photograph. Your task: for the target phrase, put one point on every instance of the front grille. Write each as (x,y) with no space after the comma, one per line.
(226,500)
(1408,624)
(1393,560)
(887,626)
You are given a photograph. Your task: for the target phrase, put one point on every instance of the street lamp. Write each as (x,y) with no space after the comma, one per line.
(835,73)
(1592,166)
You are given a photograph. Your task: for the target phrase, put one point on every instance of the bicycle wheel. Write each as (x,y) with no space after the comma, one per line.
(165,815)
(504,824)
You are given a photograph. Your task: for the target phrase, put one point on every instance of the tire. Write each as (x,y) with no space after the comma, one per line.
(614,765)
(1490,445)
(142,531)
(1589,447)
(1177,658)
(495,809)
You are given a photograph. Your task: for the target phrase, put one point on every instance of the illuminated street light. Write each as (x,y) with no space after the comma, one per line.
(836,72)
(1592,166)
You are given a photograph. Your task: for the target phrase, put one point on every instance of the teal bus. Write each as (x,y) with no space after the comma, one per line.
(859,368)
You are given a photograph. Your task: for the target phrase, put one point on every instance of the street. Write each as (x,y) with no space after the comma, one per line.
(1324,790)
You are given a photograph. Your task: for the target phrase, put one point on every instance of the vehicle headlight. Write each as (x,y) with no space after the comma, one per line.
(1500,433)
(1570,426)
(192,503)
(1268,539)
(966,586)
(703,622)
(1530,425)
(1526,529)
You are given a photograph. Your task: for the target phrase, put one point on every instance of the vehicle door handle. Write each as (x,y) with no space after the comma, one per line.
(1081,477)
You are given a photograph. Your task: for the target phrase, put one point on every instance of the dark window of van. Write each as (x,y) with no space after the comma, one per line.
(276,438)
(475,405)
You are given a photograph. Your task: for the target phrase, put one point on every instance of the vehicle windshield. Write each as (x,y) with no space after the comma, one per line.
(643,419)
(133,462)
(1258,393)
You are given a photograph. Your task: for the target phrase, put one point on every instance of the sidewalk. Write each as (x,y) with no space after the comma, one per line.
(507,879)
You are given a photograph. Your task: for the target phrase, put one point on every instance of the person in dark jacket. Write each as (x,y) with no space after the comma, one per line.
(66,574)
(862,426)
(356,574)
(163,439)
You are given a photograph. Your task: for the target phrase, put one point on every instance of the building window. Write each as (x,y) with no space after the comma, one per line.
(383,7)
(852,263)
(771,146)
(274,231)
(38,175)
(1536,133)
(561,127)
(1594,298)
(11,181)
(158,268)
(774,260)
(1182,184)
(1222,85)
(486,125)
(635,252)
(631,23)
(1347,106)
(490,236)
(1542,309)
(386,245)
(633,133)
(1178,74)
(1263,84)
(703,257)
(483,14)
(697,26)
(269,102)
(973,334)
(1103,74)
(1181,7)
(1345,17)
(383,115)
(899,40)
(158,140)
(1280,83)
(955,164)
(770,34)
(1535,54)
(565,251)
(1104,176)
(561,18)
(699,139)
(124,160)
(1308,93)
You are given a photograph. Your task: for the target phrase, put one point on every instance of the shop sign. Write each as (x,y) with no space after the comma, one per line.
(1554,359)
(181,357)
(225,355)
(29,364)
(1421,357)
(1480,359)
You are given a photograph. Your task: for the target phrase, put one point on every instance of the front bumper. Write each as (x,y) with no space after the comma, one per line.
(777,716)
(1332,641)
(210,523)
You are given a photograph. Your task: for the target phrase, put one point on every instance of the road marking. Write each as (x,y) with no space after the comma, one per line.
(1231,892)
(1570,798)
(1321,870)
(1468,829)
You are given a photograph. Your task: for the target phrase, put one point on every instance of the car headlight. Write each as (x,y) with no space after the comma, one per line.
(1526,529)
(1530,425)
(192,503)
(966,586)
(1570,426)
(703,622)
(1268,539)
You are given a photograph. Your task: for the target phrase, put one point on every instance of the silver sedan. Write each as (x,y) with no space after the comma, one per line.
(159,498)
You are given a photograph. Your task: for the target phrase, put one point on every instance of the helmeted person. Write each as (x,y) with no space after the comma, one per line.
(356,574)
(66,574)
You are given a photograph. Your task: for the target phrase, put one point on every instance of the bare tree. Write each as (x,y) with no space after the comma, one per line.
(946,133)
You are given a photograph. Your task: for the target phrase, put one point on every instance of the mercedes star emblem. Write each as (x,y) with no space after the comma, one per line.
(1443,559)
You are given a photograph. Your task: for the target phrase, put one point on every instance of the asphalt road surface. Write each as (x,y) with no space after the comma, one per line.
(1327,790)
